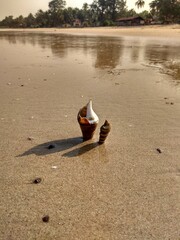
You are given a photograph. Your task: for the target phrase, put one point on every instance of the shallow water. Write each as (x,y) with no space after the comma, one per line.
(115,54)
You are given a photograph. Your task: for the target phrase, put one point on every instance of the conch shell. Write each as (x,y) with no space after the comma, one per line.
(88,121)
(104,131)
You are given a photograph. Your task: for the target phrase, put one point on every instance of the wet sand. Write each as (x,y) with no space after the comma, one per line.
(124,189)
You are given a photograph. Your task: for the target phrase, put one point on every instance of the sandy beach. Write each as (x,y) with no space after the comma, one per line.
(125,189)
(165,31)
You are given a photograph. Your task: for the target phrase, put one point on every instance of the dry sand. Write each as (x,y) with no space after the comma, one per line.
(122,190)
(167,31)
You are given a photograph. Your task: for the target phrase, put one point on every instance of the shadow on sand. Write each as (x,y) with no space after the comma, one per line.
(81,150)
(62,145)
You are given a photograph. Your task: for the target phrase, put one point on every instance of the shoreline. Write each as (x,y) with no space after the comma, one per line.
(170,31)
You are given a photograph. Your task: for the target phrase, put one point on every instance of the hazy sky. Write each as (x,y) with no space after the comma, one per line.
(24,7)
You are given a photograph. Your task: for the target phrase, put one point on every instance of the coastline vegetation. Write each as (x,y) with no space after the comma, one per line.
(99,13)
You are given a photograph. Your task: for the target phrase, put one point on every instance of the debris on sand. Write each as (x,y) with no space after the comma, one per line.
(51,146)
(158,150)
(37,180)
(45,219)
(30,138)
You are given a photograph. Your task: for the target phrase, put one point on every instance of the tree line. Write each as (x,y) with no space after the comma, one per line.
(99,13)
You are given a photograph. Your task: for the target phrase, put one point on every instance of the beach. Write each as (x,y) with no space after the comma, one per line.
(166,31)
(127,188)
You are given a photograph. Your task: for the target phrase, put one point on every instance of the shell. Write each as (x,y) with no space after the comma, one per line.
(104,131)
(88,121)
(91,115)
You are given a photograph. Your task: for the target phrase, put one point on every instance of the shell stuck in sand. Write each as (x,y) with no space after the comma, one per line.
(104,131)
(88,121)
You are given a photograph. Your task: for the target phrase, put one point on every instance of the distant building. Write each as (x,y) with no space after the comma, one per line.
(130,21)
(77,23)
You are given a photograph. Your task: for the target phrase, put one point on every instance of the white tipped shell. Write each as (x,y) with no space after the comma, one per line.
(91,115)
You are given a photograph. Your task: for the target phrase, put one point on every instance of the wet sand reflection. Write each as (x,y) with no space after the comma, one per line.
(106,52)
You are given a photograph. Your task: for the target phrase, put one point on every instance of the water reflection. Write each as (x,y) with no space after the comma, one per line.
(135,52)
(158,54)
(106,52)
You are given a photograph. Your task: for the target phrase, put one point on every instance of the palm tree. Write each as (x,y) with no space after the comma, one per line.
(140,3)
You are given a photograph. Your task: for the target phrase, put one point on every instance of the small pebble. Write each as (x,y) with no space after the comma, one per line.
(45,218)
(51,146)
(54,167)
(37,180)
(9,83)
(158,150)
(30,138)
(22,85)
(165,98)
(172,103)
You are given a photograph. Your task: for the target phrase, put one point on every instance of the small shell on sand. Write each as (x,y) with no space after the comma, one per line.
(104,131)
